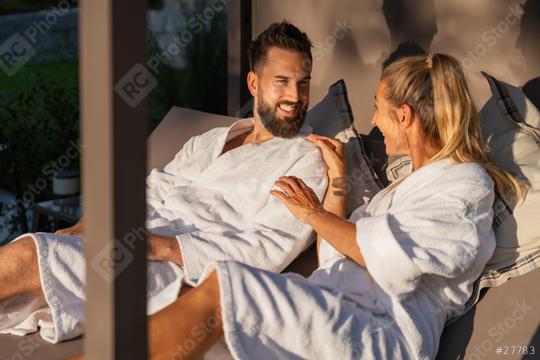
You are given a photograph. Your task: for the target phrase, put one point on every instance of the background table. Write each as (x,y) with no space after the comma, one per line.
(64,212)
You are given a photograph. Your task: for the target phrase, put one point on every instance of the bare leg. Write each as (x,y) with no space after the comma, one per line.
(153,323)
(19,272)
(188,327)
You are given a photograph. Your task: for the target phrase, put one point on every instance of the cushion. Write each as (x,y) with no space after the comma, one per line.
(511,129)
(333,117)
(177,127)
(376,153)
(398,166)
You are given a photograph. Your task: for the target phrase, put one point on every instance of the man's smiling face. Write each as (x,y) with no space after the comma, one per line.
(282,96)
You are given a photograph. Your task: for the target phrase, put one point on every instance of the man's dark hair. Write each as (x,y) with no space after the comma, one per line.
(283,35)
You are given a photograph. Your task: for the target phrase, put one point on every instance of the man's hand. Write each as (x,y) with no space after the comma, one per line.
(77,229)
(163,248)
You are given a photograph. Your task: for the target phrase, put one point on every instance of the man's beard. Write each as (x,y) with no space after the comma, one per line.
(286,127)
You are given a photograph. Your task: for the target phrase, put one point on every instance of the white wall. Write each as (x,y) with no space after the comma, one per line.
(480,33)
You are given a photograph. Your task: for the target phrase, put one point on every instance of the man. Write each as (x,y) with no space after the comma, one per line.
(212,202)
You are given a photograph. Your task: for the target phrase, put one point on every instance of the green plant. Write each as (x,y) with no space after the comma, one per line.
(19,6)
(155,4)
(39,124)
(202,83)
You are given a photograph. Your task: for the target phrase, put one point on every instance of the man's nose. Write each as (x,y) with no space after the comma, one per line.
(293,93)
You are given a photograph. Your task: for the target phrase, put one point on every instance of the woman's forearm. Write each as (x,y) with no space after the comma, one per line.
(340,233)
(335,199)
(336,195)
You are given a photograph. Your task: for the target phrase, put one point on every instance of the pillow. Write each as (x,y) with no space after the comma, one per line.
(375,151)
(332,117)
(398,166)
(177,127)
(511,129)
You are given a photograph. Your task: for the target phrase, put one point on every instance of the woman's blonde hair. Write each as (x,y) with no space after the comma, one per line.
(436,90)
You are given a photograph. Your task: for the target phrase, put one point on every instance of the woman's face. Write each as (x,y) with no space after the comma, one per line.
(386,119)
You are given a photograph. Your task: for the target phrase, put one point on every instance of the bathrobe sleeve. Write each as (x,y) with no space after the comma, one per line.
(274,238)
(160,181)
(439,235)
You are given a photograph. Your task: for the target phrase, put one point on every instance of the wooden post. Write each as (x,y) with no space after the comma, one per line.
(114,84)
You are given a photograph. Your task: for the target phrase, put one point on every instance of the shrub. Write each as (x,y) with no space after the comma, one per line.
(20,6)
(39,123)
(202,84)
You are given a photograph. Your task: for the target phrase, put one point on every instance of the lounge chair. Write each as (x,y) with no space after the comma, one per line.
(506,316)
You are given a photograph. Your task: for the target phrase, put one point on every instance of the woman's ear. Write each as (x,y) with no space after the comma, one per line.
(252,82)
(405,115)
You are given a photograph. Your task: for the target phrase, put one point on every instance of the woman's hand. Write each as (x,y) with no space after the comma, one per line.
(304,205)
(299,198)
(77,229)
(333,153)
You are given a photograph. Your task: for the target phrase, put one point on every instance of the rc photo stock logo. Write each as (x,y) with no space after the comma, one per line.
(104,264)
(15,52)
(135,85)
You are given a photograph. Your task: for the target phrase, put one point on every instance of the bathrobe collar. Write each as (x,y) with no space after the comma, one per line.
(244,125)
(423,175)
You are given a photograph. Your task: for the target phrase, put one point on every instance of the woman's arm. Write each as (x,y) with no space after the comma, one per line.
(303,203)
(334,199)
(328,218)
(333,153)
(339,233)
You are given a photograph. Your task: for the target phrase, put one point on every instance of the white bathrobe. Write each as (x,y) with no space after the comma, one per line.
(424,244)
(219,207)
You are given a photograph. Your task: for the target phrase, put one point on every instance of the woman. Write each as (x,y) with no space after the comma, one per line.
(394,272)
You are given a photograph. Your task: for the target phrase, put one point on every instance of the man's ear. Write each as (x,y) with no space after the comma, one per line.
(252,82)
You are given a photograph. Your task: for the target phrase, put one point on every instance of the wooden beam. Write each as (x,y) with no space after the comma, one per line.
(114,85)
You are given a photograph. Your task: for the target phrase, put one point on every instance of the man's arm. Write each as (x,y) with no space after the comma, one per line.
(160,181)
(270,240)
(266,247)
(164,248)
(159,248)
(277,240)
